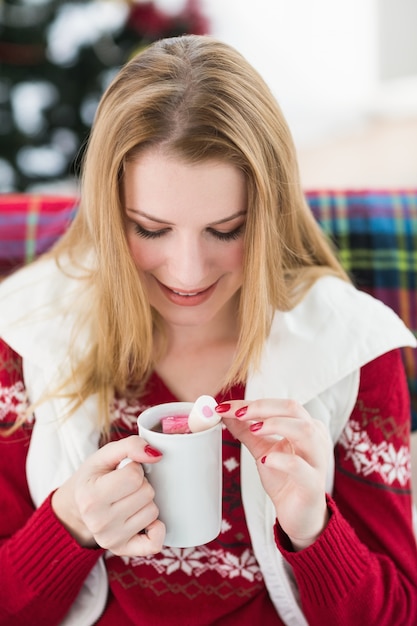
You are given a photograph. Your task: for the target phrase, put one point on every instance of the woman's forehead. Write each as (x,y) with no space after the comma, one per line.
(162,185)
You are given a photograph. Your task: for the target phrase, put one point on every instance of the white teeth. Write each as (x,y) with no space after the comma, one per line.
(179,293)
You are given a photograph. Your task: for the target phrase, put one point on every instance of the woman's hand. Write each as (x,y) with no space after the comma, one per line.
(292,452)
(114,508)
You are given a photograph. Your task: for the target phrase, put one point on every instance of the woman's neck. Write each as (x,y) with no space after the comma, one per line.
(197,358)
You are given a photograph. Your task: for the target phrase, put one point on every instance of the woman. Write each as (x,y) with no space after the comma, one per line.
(195,267)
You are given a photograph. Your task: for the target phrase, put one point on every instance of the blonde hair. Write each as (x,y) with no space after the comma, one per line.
(202,100)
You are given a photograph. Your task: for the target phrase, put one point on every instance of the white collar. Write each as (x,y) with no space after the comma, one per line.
(332,332)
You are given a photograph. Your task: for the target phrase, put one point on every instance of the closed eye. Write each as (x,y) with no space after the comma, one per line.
(217,234)
(227,236)
(149,234)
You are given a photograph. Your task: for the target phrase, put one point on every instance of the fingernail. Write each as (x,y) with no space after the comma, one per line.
(241,412)
(152,451)
(256,426)
(222,408)
(263,459)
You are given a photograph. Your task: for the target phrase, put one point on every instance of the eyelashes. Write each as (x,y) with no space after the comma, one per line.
(217,234)
(149,234)
(228,236)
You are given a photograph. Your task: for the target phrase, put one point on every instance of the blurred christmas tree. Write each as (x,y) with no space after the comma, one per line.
(56,58)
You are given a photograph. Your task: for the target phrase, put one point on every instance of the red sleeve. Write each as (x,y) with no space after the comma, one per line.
(42,567)
(363,568)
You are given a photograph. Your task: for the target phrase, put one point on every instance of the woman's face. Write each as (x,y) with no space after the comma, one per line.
(185,225)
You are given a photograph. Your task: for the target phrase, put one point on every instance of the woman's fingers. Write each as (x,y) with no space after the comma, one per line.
(257,446)
(275,418)
(292,451)
(100,481)
(112,454)
(117,533)
(114,485)
(109,505)
(291,465)
(308,438)
(119,508)
(261,409)
(146,543)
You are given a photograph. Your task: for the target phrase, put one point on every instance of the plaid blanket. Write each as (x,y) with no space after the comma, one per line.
(29,225)
(375,233)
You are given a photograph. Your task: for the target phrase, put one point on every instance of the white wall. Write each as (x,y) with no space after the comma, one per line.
(320,58)
(398,41)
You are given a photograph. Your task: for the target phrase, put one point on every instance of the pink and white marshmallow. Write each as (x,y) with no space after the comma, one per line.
(203,414)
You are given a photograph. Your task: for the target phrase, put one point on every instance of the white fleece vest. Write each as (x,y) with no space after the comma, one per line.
(313,355)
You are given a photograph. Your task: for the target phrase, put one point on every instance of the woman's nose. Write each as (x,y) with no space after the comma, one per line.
(188,263)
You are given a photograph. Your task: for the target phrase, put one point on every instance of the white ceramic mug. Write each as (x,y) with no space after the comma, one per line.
(188,478)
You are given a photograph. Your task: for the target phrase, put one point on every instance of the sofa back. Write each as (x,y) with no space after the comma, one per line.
(375,233)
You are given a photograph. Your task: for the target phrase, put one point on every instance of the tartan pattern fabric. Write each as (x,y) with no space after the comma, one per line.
(375,233)
(29,225)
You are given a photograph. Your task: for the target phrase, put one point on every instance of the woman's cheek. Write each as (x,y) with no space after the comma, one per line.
(142,255)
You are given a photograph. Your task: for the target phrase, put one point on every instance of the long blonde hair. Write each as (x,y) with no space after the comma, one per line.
(202,100)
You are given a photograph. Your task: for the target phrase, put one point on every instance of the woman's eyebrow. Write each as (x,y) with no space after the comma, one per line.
(229,219)
(159,221)
(148,217)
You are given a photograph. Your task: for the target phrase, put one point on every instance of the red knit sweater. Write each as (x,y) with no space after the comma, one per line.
(362,569)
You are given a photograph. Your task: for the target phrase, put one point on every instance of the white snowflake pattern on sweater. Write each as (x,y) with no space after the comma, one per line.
(14,400)
(382,458)
(196,561)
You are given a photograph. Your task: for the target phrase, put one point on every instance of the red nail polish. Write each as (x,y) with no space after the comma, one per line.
(256,426)
(263,459)
(152,451)
(222,408)
(241,412)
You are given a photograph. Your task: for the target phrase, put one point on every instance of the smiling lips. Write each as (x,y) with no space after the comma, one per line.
(187,298)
